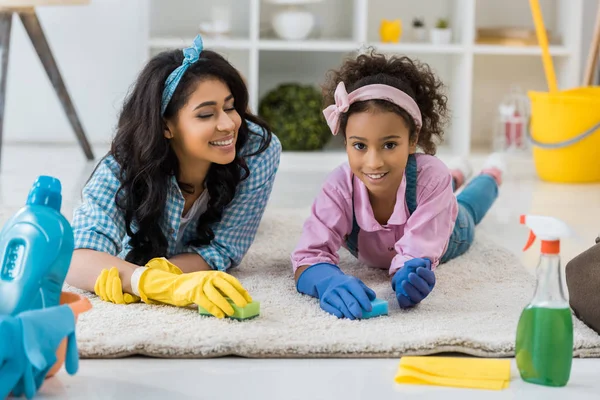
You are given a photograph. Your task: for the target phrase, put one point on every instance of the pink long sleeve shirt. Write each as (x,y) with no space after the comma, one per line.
(425,233)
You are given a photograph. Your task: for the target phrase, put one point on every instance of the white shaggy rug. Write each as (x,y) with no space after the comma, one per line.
(474,309)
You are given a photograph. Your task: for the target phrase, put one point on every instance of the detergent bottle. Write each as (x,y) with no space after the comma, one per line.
(544,343)
(36,246)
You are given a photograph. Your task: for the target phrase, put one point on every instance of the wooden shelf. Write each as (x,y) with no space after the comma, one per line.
(313,45)
(519,50)
(419,48)
(308,45)
(181,42)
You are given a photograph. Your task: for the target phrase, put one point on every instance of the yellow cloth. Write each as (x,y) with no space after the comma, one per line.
(109,288)
(476,373)
(207,289)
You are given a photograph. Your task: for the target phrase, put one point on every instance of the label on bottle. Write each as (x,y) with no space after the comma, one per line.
(13,262)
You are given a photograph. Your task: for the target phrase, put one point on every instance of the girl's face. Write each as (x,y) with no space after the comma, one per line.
(377,143)
(206,128)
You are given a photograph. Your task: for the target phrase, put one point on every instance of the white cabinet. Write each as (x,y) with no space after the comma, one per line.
(477,76)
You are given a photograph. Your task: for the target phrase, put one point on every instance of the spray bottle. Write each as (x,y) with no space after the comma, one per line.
(544,345)
(36,246)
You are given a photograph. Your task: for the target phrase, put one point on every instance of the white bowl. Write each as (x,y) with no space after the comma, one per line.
(293,24)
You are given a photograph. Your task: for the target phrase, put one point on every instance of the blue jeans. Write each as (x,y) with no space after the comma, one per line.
(473,203)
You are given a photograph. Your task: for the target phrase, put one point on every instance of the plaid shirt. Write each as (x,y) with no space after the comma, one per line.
(98,223)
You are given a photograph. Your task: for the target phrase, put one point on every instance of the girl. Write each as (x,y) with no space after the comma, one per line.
(390,206)
(178,199)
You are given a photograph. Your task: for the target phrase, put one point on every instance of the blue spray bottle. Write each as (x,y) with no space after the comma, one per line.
(36,246)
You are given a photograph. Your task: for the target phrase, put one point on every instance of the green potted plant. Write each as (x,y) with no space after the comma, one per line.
(441,34)
(419,31)
(295,114)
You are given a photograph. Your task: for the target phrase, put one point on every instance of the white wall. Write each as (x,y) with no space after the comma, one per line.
(99,49)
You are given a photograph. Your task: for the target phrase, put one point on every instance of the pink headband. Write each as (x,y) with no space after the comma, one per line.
(369,92)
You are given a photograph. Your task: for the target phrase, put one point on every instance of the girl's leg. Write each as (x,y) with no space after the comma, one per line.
(473,203)
(462,235)
(479,195)
(461,171)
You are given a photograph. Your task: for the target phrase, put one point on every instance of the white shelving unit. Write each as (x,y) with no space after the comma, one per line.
(477,76)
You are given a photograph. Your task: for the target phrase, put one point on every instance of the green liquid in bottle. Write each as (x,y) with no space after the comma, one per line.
(544,346)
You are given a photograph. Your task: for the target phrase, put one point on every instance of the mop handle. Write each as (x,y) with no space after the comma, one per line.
(593,52)
(543,42)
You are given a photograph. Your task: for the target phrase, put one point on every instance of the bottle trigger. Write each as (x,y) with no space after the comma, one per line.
(530,240)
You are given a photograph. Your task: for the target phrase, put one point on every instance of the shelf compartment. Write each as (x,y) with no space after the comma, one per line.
(189,14)
(334,20)
(517,14)
(493,78)
(428,10)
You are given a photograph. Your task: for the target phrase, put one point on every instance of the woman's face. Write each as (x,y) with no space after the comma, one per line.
(206,128)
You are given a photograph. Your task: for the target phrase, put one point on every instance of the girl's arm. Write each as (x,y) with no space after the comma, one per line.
(237,229)
(428,229)
(325,229)
(299,272)
(99,227)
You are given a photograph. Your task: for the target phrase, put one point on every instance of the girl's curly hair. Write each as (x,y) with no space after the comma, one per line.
(412,77)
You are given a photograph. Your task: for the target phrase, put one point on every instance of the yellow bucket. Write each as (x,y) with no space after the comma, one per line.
(565,133)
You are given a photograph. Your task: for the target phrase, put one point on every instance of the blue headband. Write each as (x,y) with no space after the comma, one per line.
(190,56)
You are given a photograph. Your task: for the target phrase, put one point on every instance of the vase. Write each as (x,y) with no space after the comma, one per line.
(419,34)
(440,36)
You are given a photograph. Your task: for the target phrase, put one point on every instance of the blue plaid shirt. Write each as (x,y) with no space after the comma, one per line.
(98,223)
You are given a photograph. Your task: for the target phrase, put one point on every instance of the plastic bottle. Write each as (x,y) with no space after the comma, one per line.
(544,344)
(36,246)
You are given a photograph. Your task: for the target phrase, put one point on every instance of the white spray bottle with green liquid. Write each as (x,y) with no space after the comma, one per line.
(544,345)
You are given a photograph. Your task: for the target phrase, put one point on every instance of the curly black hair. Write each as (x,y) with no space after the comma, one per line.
(148,162)
(411,76)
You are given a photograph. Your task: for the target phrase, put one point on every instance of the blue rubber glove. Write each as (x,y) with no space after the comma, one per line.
(413,282)
(339,294)
(37,335)
(12,361)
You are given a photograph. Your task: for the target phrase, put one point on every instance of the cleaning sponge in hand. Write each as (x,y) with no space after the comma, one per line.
(240,313)
(380,307)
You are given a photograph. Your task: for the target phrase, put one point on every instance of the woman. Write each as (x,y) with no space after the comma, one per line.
(178,199)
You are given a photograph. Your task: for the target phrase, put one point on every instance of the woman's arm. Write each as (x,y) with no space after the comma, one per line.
(99,227)
(87,264)
(190,262)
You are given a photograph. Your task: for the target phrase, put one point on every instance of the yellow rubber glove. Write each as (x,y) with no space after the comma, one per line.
(207,289)
(164,265)
(109,288)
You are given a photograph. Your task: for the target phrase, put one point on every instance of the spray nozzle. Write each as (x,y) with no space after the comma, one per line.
(549,229)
